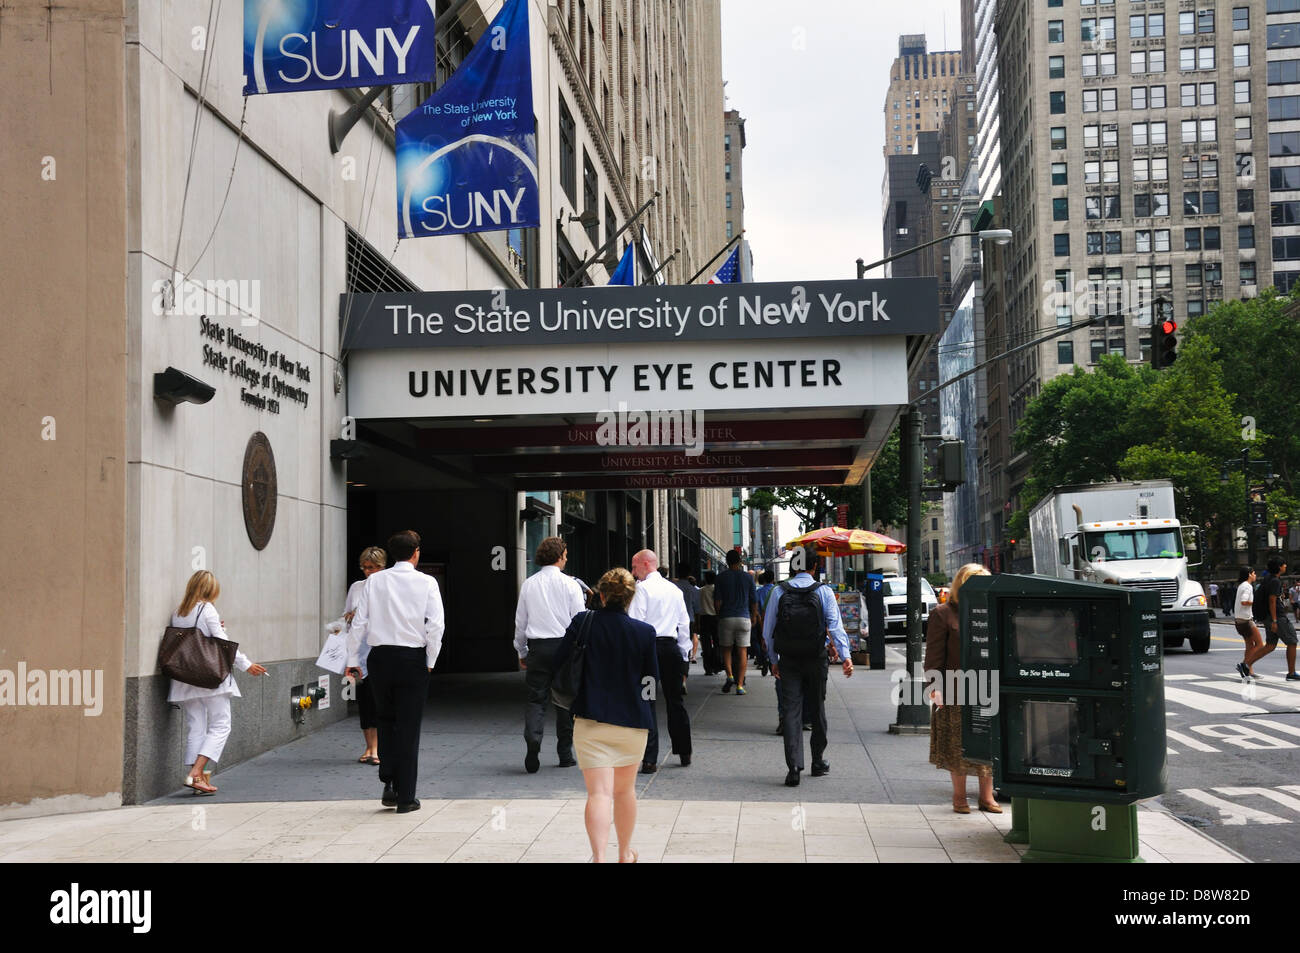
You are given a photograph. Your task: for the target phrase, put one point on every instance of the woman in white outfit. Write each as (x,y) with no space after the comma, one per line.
(372,561)
(207,710)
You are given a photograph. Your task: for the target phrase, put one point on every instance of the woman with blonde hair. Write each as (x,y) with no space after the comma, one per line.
(943,655)
(612,714)
(207,710)
(372,560)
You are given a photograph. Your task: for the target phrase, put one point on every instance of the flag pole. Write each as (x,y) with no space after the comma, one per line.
(725,249)
(595,256)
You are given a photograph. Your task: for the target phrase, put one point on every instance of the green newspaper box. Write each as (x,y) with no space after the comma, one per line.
(1075,674)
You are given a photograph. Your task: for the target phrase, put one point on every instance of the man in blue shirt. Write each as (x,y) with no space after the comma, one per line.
(796,642)
(737,604)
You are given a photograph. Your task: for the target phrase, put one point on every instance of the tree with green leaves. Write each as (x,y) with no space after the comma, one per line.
(815,504)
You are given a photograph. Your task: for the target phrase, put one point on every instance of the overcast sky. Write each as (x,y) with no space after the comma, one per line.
(810,79)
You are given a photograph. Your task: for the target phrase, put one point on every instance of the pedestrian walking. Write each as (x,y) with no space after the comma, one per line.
(1271,612)
(399,615)
(1295,598)
(1214,595)
(734,596)
(661,604)
(802,630)
(372,560)
(1244,618)
(691,594)
(766,583)
(943,640)
(207,710)
(612,711)
(709,626)
(548,601)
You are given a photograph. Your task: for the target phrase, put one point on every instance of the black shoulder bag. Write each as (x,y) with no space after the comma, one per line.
(567,681)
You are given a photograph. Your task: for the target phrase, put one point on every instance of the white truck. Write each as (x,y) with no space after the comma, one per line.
(1126,534)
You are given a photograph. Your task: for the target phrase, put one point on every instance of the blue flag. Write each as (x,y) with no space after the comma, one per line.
(294,45)
(467,157)
(625,273)
(729,273)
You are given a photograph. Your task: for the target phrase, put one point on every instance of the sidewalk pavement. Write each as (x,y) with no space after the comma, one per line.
(311,800)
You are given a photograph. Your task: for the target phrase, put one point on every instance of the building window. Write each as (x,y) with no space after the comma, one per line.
(568,154)
(1246,269)
(1137,26)
(1114,243)
(1058,137)
(1092,243)
(1285,213)
(1092,207)
(1055,68)
(1241,127)
(1064,352)
(1089,101)
(1061,210)
(727,172)
(590,196)
(1141,134)
(1139,97)
(1205,21)
(1241,54)
(1283,35)
(1191,239)
(1091,138)
(1241,91)
(1283,107)
(1213,239)
(1056,101)
(1055,31)
(1187,22)
(1284,143)
(1283,71)
(728,200)
(1246,200)
(1061,244)
(1060,173)
(1241,18)
(1092,173)
(730,230)
(1087,29)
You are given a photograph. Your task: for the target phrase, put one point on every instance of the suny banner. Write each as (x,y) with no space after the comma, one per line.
(467,156)
(294,45)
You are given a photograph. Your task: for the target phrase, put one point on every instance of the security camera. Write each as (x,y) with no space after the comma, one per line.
(175,386)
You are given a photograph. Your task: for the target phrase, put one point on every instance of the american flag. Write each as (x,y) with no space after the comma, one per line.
(729,273)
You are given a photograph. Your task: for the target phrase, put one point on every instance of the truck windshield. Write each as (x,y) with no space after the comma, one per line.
(1133,544)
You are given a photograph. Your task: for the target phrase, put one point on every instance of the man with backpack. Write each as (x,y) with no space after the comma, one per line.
(802,616)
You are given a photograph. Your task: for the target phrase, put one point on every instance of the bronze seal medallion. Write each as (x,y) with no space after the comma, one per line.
(259,490)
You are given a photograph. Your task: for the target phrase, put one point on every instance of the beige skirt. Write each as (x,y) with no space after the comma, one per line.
(599,745)
(945,744)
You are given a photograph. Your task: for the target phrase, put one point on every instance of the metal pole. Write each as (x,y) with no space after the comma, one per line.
(868,523)
(595,256)
(863,269)
(1250,527)
(913,718)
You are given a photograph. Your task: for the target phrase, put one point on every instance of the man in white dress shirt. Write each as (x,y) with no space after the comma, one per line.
(400,617)
(548,601)
(661,604)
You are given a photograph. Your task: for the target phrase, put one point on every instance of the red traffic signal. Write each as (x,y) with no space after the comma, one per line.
(1168,326)
(1164,347)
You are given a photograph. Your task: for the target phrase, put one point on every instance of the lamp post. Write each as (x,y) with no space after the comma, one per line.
(1246,463)
(914,717)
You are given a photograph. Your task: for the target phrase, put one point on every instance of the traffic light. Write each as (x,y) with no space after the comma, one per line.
(952,464)
(1164,339)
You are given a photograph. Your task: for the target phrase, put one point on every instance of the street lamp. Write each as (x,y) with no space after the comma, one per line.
(999,236)
(914,718)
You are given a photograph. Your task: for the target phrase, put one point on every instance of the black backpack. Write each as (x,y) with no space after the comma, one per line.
(800,631)
(1260,607)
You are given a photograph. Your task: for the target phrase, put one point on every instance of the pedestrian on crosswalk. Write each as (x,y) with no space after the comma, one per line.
(1269,609)
(1244,618)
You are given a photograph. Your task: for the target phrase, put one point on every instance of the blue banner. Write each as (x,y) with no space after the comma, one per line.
(467,156)
(625,273)
(294,45)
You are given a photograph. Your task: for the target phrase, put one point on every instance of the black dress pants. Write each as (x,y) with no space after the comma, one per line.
(709,656)
(400,680)
(803,682)
(538,677)
(671,669)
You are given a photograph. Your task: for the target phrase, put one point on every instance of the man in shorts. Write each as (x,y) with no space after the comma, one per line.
(1270,609)
(736,600)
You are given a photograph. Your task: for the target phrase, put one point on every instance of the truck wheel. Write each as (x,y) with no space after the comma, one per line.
(1200,646)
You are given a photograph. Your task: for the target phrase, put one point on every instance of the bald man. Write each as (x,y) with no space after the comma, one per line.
(661,604)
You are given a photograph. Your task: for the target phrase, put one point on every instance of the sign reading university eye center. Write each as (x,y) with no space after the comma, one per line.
(583,350)
(649,313)
(295,45)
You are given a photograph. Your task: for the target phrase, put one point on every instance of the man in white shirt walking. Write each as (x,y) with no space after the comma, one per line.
(548,601)
(661,604)
(400,617)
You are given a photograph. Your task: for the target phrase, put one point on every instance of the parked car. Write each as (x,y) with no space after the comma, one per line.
(895,592)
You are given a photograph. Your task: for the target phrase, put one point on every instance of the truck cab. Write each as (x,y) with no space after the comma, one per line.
(1145,554)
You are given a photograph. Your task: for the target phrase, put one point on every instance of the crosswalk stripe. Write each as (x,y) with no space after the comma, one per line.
(1184,677)
(1233,814)
(1211,704)
(1284,799)
(1190,742)
(1277,726)
(1260,693)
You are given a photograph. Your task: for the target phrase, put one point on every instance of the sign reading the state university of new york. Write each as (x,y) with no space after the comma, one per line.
(648,313)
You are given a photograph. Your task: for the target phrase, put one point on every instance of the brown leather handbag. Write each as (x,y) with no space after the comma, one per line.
(189,656)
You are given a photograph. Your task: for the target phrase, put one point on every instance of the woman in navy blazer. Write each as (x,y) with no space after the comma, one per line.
(612,713)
